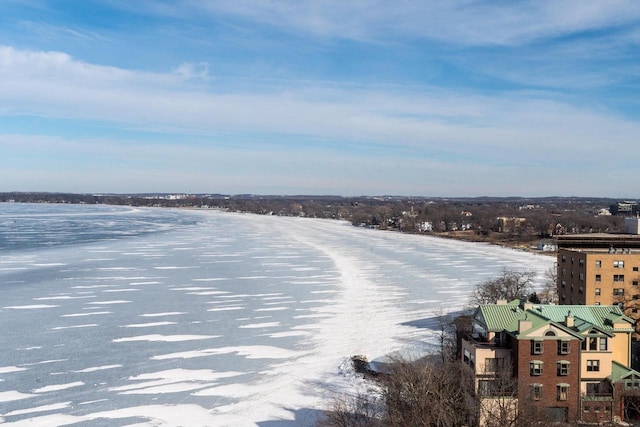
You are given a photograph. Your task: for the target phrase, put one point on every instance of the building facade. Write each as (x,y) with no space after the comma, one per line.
(569,362)
(600,269)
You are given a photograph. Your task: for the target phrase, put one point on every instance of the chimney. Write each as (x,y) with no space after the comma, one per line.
(568,320)
(501,302)
(524,325)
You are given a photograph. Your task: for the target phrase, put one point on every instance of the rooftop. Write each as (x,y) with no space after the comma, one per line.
(505,317)
(598,241)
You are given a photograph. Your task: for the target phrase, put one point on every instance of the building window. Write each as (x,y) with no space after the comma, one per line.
(598,291)
(563,368)
(564,271)
(581,290)
(593,344)
(632,384)
(493,365)
(563,392)
(581,262)
(536,391)
(535,368)
(564,258)
(618,277)
(618,291)
(598,278)
(593,365)
(634,283)
(596,303)
(603,344)
(635,268)
(487,387)
(563,347)
(537,347)
(618,264)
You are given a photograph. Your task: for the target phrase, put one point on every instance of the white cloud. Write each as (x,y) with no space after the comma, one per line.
(52,84)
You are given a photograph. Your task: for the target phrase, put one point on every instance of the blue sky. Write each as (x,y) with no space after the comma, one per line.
(433,98)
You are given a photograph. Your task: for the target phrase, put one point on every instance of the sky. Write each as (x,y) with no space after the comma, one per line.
(342,97)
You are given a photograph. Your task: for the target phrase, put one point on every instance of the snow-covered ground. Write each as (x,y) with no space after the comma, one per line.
(227,320)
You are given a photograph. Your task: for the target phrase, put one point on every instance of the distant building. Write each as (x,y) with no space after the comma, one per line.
(425,226)
(628,208)
(572,362)
(547,245)
(509,224)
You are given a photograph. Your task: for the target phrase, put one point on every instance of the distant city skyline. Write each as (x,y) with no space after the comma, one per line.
(457,98)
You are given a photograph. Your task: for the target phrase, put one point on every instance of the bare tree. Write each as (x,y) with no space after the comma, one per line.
(510,285)
(361,410)
(629,303)
(549,292)
(446,335)
(424,394)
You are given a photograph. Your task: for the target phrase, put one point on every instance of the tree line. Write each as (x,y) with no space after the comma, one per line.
(507,220)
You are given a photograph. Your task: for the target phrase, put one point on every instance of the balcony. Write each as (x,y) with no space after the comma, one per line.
(597,397)
(482,342)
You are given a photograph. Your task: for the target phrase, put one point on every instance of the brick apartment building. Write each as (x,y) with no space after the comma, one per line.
(571,361)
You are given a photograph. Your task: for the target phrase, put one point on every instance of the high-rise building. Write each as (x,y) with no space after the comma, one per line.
(601,269)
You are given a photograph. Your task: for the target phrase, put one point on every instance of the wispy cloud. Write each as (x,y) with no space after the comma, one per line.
(460,22)
(447,123)
(50,31)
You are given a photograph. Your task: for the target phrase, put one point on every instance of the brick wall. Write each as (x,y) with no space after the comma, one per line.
(550,378)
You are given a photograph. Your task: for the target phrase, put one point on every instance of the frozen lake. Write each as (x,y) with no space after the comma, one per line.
(116,316)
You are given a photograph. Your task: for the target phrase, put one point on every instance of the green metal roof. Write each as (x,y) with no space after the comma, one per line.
(500,317)
(620,372)
(505,317)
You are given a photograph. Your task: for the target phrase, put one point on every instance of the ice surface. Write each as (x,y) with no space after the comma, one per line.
(245,319)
